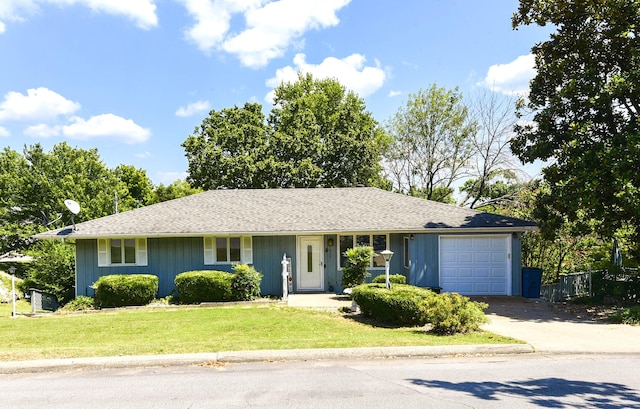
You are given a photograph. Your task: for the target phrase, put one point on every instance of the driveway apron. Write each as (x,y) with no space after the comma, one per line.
(550,330)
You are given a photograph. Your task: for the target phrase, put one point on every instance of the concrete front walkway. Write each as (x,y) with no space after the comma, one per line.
(323,301)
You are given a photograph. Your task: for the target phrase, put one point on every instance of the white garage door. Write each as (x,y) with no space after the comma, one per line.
(475,265)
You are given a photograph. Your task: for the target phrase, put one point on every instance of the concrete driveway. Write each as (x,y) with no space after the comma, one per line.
(548,329)
(533,321)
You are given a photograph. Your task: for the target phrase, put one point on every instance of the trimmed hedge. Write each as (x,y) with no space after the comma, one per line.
(203,286)
(406,305)
(402,305)
(119,290)
(393,279)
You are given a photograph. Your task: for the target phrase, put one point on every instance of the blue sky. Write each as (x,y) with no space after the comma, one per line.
(133,78)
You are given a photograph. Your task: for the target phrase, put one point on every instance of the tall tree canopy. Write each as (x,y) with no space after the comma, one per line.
(431,143)
(586,100)
(317,134)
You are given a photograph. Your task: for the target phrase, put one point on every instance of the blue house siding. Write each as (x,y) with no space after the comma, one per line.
(267,259)
(168,257)
(423,256)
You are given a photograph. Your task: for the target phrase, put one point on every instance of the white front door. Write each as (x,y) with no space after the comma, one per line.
(311,267)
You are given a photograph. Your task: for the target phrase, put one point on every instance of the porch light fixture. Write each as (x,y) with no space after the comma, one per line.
(387,254)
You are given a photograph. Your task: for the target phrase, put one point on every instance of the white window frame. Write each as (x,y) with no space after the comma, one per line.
(104,252)
(211,251)
(353,236)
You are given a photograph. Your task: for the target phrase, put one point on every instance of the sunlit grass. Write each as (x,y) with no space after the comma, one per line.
(190,330)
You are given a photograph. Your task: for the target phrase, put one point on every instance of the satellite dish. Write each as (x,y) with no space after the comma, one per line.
(73,206)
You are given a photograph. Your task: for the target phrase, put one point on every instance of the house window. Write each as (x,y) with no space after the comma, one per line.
(122,252)
(407,260)
(228,250)
(377,241)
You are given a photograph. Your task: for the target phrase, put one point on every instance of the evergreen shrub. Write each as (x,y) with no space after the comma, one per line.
(393,279)
(203,286)
(80,303)
(402,305)
(119,290)
(406,305)
(452,313)
(245,283)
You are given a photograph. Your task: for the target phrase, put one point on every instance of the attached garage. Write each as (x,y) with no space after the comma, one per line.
(475,265)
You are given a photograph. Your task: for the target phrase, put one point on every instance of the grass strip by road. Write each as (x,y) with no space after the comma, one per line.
(206,329)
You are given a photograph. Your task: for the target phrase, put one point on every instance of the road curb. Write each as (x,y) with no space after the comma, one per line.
(52,365)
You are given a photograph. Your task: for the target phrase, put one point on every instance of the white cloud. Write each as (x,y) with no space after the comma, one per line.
(143,155)
(350,72)
(106,126)
(511,78)
(142,12)
(194,108)
(213,19)
(37,105)
(169,177)
(43,131)
(271,26)
(4,132)
(393,93)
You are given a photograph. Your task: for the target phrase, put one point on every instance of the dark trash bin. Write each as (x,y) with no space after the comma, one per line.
(531,282)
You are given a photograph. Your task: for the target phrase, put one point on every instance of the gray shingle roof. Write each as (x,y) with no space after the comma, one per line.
(291,211)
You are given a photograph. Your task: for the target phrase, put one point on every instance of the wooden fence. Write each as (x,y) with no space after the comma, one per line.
(570,285)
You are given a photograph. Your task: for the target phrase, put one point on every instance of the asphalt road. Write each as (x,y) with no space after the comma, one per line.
(522,381)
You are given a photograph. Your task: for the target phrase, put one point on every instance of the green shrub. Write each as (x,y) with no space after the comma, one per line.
(358,261)
(203,286)
(627,316)
(393,279)
(245,283)
(121,290)
(80,303)
(402,305)
(452,313)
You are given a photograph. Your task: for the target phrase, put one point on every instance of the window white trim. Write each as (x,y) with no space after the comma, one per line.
(353,238)
(104,252)
(211,251)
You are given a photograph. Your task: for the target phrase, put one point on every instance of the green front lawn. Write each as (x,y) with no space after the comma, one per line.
(205,329)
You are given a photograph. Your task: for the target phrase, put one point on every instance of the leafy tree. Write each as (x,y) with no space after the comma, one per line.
(175,190)
(317,134)
(136,188)
(229,150)
(322,135)
(52,269)
(358,261)
(586,99)
(35,185)
(431,143)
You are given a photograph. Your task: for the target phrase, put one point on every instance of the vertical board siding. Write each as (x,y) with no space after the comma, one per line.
(423,253)
(267,259)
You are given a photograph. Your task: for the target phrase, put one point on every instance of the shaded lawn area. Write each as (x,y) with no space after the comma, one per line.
(204,329)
